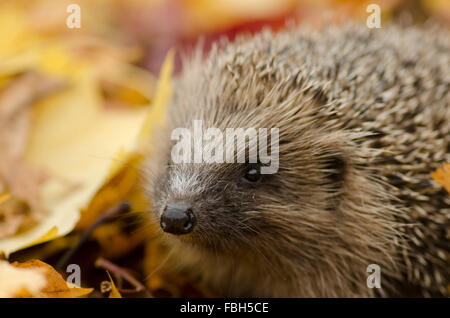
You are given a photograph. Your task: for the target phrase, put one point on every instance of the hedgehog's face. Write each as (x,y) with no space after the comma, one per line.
(233,205)
(208,204)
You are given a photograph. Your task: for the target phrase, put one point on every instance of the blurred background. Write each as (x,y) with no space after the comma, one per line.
(153,26)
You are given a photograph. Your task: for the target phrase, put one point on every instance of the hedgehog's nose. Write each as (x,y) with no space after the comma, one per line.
(178,218)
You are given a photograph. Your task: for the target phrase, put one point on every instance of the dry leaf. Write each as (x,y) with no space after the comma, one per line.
(77,140)
(15,114)
(20,282)
(156,116)
(125,166)
(56,286)
(442,176)
(114,293)
(15,216)
(22,210)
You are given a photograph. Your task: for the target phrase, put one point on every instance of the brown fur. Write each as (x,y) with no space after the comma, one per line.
(364,117)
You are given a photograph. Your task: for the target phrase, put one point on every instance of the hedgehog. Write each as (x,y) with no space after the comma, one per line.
(363,117)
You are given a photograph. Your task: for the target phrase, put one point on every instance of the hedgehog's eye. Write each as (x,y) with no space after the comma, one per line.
(252,174)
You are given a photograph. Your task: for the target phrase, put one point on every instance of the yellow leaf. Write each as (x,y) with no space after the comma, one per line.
(14,32)
(20,282)
(442,176)
(123,175)
(156,115)
(4,197)
(50,235)
(83,145)
(75,139)
(114,292)
(56,286)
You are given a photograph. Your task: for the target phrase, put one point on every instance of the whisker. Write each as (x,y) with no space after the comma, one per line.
(160,265)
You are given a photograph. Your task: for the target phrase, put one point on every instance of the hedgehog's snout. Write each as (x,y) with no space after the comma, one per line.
(178,218)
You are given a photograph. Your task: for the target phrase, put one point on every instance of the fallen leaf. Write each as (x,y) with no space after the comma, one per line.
(23,209)
(442,176)
(156,115)
(15,114)
(15,216)
(123,175)
(114,293)
(20,282)
(76,139)
(56,286)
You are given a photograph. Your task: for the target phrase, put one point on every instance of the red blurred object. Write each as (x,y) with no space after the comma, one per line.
(160,27)
(249,27)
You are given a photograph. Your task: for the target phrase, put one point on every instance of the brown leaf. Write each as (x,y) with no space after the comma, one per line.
(442,176)
(56,286)
(20,282)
